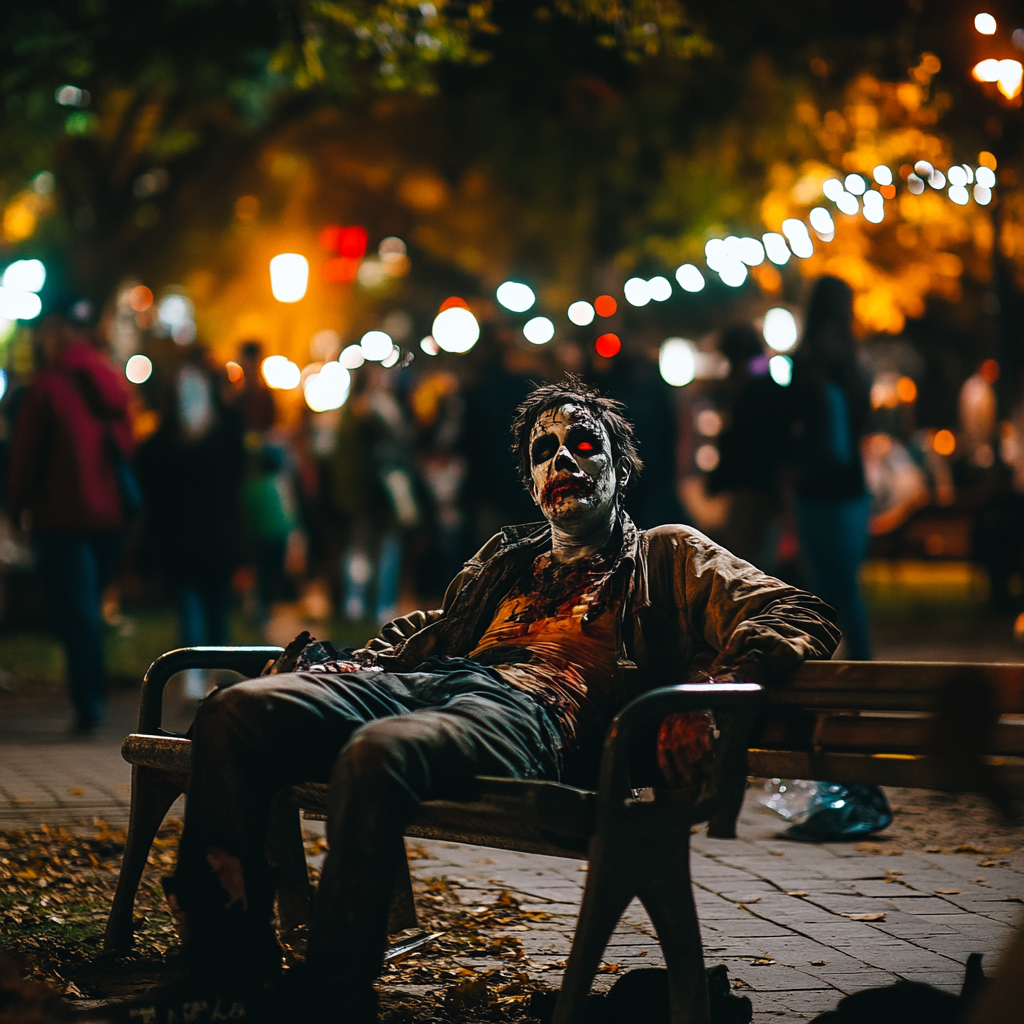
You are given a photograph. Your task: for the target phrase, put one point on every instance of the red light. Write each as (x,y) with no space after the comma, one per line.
(330,237)
(341,268)
(454,300)
(608,345)
(605,305)
(352,243)
(989,371)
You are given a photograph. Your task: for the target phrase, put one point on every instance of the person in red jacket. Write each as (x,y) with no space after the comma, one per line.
(72,435)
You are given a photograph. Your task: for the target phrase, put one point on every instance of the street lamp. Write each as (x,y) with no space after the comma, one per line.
(289,275)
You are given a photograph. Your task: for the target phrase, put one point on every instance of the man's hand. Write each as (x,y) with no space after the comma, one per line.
(684,747)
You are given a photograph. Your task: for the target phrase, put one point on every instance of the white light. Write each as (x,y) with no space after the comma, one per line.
(581,313)
(915,185)
(429,346)
(174,310)
(856,184)
(982,195)
(327,389)
(660,288)
(750,251)
(637,291)
(882,175)
(957,175)
(780,369)
(799,240)
(923,168)
(833,189)
(25,276)
(515,296)
(985,176)
(775,246)
(138,369)
(985,24)
(937,180)
(969,173)
(455,329)
(72,96)
(733,273)
(959,194)
(821,221)
(352,357)
(706,457)
(391,359)
(874,207)
(1010,74)
(848,203)
(376,345)
(280,373)
(690,278)
(18,305)
(676,362)
(289,275)
(3,383)
(539,331)
(779,329)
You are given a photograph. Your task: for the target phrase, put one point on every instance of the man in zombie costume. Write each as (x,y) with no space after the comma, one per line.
(546,633)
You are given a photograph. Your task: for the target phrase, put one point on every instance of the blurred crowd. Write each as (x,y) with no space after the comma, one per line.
(206,497)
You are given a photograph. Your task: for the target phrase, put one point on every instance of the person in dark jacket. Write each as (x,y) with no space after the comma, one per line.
(541,639)
(191,471)
(829,401)
(72,436)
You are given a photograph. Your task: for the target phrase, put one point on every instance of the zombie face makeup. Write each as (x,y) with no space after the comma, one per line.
(574,479)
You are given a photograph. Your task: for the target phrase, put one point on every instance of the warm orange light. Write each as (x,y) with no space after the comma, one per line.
(944,442)
(1006,74)
(246,207)
(906,390)
(453,300)
(341,268)
(986,159)
(608,345)
(140,298)
(888,191)
(605,305)
(235,373)
(989,370)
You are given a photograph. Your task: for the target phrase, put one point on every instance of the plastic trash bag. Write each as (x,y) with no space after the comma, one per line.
(788,798)
(842,812)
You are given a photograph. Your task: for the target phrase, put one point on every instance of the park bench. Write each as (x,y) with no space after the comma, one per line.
(920,725)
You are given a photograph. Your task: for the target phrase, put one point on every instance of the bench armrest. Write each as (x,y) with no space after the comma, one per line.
(737,703)
(248,661)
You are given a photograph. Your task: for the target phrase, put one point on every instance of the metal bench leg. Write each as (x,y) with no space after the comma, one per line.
(668,899)
(606,895)
(153,792)
(402,914)
(287,854)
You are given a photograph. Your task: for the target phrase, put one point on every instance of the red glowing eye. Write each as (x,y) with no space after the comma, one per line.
(584,446)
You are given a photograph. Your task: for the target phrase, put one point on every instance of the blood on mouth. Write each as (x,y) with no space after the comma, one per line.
(580,486)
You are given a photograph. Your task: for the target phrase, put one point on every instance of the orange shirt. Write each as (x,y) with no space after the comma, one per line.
(555,636)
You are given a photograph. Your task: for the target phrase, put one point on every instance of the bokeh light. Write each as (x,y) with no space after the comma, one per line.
(25,276)
(833,189)
(234,371)
(821,221)
(328,389)
(944,443)
(289,276)
(956,175)
(637,291)
(874,206)
(780,369)
(985,24)
(882,175)
(581,313)
(780,329)
(280,373)
(539,331)
(848,204)
(856,184)
(906,390)
(691,279)
(776,248)
(608,345)
(140,298)
(707,458)
(677,362)
(733,274)
(985,177)
(515,296)
(429,346)
(660,288)
(605,305)
(376,345)
(19,305)
(139,369)
(750,251)
(391,359)
(982,195)
(799,240)
(959,195)
(455,329)
(352,357)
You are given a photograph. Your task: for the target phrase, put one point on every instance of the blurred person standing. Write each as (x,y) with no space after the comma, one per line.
(373,494)
(828,404)
(191,470)
(70,484)
(750,449)
(255,400)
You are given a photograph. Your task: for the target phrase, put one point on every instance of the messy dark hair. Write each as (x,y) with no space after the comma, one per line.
(572,390)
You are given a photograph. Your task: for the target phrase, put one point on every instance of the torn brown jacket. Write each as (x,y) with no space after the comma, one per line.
(690,611)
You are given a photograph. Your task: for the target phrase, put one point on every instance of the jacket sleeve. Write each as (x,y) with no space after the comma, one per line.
(761,627)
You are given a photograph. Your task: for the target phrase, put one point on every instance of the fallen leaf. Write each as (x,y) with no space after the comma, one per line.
(978,880)
(796,892)
(1002,849)
(818,963)
(933,849)
(988,863)
(607,968)
(967,848)
(76,791)
(751,899)
(866,917)
(762,961)
(948,892)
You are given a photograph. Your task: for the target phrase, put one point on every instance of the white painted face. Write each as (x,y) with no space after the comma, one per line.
(573,478)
